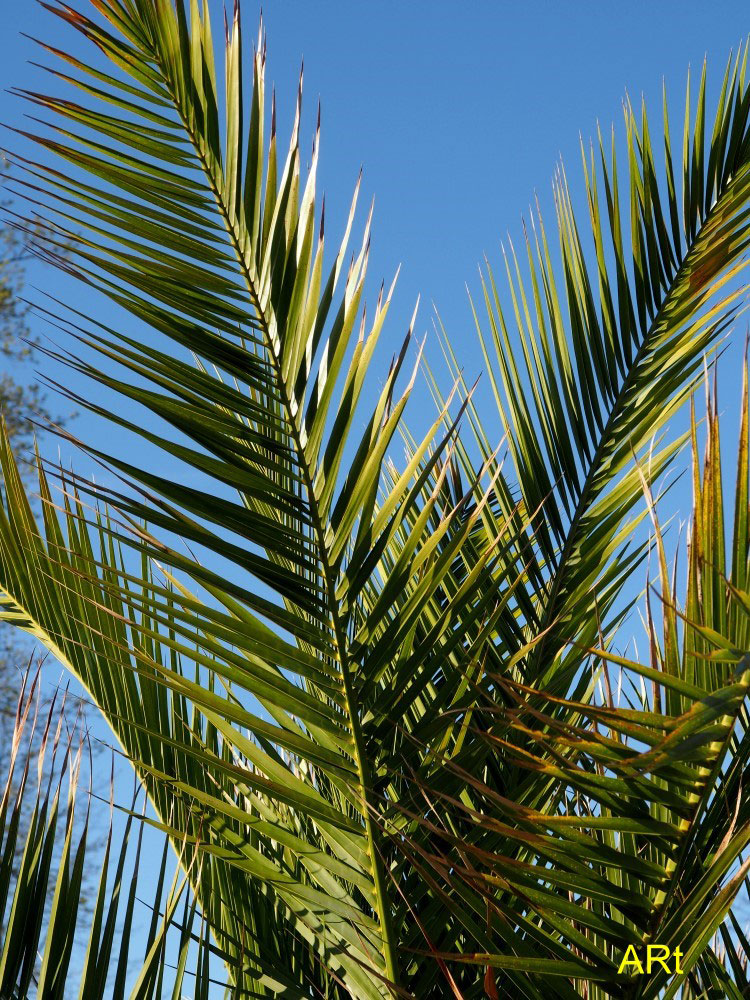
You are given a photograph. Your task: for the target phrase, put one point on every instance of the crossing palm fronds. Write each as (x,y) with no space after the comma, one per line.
(648,838)
(302,645)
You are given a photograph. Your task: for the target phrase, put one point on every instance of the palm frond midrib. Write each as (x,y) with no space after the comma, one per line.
(328,571)
(587,493)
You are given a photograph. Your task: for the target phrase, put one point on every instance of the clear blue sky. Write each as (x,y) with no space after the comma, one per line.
(457,112)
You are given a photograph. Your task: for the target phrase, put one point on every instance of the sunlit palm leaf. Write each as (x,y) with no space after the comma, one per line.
(295,640)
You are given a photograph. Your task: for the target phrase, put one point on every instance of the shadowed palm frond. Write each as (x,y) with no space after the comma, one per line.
(644,835)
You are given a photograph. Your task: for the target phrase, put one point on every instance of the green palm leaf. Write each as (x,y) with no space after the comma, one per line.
(305,649)
(246,296)
(593,358)
(643,838)
(44,850)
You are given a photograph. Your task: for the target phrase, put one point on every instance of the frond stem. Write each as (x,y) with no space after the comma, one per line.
(362,764)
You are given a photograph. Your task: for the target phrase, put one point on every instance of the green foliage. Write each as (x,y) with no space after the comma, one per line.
(363,699)
(648,839)
(22,401)
(41,899)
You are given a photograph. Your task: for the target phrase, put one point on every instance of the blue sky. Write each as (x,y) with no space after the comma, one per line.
(458,114)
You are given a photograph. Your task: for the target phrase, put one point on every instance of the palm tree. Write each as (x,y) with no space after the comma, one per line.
(365,700)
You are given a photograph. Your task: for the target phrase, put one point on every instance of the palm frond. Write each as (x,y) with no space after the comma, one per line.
(268,415)
(360,693)
(644,833)
(590,359)
(45,849)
